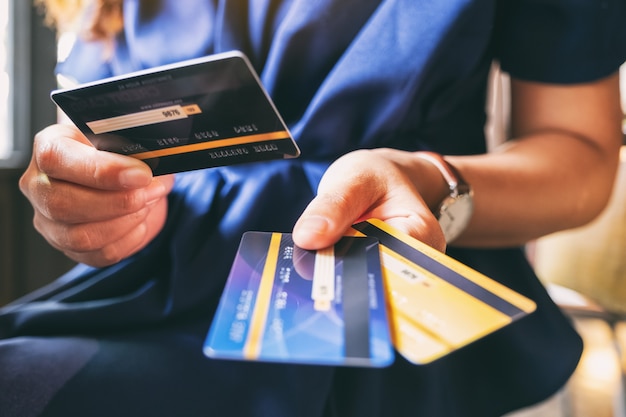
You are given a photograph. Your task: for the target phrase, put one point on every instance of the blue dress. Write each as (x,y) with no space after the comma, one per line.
(345,74)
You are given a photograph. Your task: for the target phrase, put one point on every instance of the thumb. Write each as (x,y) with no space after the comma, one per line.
(322,223)
(342,200)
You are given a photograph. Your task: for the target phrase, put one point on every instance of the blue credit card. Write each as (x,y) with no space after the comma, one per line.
(194,114)
(282,303)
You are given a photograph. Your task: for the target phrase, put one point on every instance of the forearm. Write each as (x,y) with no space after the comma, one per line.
(536,185)
(556,173)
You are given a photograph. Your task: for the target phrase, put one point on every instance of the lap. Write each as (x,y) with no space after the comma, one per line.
(153,372)
(34,369)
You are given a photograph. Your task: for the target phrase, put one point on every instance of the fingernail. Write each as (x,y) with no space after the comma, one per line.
(313,224)
(134,178)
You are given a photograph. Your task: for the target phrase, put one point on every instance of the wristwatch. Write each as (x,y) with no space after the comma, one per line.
(455,211)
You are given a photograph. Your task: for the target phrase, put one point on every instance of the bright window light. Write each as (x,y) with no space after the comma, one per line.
(6,144)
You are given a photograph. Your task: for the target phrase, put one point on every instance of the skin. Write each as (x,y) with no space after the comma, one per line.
(99,207)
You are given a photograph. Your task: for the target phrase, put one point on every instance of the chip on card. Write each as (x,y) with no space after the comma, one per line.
(194,114)
(282,303)
(437,304)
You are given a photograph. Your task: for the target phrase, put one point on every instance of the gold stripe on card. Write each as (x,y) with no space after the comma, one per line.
(252,347)
(212,144)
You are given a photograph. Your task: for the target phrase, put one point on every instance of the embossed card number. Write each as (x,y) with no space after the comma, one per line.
(190,115)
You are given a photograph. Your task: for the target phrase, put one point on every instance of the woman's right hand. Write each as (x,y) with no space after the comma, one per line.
(97,207)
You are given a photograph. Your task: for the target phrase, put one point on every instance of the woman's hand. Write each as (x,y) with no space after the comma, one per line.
(96,207)
(387,184)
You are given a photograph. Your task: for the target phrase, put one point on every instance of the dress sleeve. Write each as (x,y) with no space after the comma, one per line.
(87,61)
(561,41)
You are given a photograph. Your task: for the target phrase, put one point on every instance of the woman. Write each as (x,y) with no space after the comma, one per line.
(122,333)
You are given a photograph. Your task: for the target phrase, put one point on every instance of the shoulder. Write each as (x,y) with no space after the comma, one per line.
(86,61)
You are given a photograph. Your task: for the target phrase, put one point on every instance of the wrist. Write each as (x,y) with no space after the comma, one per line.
(452,199)
(432,185)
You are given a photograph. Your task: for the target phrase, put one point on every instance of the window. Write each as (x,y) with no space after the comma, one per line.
(5,127)
(27,59)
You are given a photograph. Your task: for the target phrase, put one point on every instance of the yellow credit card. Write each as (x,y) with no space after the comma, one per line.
(437,304)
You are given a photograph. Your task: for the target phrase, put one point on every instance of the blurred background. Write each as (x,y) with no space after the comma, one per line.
(584,269)
(28,54)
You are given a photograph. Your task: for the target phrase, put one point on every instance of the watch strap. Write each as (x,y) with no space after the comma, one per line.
(449,172)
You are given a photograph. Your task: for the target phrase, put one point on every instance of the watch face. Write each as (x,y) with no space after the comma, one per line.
(455,214)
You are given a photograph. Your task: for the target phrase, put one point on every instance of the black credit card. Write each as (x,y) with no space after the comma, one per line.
(200,113)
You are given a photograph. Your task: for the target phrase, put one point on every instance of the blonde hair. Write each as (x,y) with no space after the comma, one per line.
(94,19)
